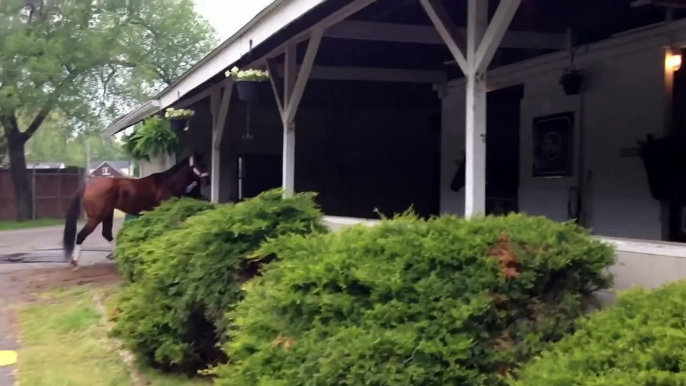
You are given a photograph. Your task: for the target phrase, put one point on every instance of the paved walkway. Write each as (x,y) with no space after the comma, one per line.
(36,256)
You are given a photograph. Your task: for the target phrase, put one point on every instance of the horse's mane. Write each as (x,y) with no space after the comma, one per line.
(169,173)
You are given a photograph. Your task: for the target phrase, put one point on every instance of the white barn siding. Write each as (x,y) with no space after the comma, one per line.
(624,100)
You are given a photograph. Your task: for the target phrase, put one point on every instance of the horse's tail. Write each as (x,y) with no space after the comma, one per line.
(73,214)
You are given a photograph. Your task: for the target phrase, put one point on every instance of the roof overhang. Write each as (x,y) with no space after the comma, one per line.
(130,119)
(267,23)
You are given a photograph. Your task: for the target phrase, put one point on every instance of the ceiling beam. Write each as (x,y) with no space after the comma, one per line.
(407,33)
(372,74)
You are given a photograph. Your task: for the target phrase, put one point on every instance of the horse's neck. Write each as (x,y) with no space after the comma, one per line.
(177,183)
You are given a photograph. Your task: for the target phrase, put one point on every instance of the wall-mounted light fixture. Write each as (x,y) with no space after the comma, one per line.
(673,60)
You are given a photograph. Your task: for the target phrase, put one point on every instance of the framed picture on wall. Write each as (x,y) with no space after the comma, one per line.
(553,145)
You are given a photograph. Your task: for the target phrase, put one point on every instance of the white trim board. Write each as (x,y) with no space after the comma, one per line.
(645,247)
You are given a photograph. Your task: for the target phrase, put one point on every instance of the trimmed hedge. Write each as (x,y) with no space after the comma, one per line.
(640,342)
(411,302)
(173,315)
(137,233)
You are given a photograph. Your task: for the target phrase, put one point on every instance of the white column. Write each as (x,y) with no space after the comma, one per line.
(293,89)
(220,102)
(475,126)
(288,176)
(482,42)
(475,130)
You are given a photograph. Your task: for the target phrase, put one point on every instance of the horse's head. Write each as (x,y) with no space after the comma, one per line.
(199,168)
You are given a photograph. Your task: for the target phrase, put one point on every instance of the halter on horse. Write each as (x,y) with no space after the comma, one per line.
(132,196)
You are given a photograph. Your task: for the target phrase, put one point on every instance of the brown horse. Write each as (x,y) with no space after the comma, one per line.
(132,196)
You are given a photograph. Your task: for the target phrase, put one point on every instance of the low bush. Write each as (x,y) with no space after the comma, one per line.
(412,302)
(173,315)
(640,342)
(130,250)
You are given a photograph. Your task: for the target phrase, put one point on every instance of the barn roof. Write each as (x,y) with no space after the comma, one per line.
(399,34)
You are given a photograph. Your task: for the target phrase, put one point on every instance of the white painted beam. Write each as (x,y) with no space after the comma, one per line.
(419,34)
(329,21)
(477,23)
(186,103)
(446,29)
(303,74)
(295,80)
(291,76)
(220,110)
(372,74)
(277,84)
(495,33)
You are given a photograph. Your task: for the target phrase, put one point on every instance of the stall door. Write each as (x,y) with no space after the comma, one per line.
(257,174)
(549,172)
(502,150)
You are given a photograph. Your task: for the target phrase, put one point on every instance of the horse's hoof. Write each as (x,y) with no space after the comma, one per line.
(74,263)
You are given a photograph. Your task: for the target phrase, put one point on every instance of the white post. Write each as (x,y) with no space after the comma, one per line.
(220,109)
(294,88)
(475,126)
(288,164)
(482,42)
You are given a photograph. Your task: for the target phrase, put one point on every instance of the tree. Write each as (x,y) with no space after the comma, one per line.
(3,149)
(89,60)
(57,142)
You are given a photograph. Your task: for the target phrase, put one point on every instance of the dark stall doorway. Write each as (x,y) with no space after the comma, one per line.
(257,174)
(674,223)
(502,150)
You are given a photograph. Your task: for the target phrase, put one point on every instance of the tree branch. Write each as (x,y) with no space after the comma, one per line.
(48,105)
(9,123)
(163,76)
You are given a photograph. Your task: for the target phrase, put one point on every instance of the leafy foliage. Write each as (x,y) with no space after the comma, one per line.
(640,342)
(88,60)
(411,302)
(153,138)
(172,316)
(137,233)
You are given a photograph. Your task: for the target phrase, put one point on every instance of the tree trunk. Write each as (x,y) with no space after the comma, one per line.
(20,176)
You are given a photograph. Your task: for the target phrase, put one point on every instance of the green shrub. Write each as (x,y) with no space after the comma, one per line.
(411,302)
(137,233)
(639,342)
(173,315)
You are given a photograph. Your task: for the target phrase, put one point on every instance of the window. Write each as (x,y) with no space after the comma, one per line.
(105,171)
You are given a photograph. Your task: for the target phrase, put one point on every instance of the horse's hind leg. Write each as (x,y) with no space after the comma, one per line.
(85,232)
(107,225)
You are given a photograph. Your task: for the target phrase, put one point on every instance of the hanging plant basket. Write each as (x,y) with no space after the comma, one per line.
(179,125)
(248,83)
(178,119)
(572,82)
(248,91)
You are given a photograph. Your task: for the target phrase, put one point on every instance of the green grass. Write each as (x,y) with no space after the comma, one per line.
(15,225)
(64,342)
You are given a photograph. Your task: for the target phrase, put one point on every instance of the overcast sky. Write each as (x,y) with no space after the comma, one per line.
(228,16)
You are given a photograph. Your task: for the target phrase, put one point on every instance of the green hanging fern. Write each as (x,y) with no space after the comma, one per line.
(153,138)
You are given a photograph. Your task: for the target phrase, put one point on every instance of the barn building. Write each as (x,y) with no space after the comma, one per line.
(452,106)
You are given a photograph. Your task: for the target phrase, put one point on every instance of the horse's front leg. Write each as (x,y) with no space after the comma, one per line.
(107,225)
